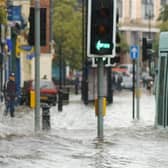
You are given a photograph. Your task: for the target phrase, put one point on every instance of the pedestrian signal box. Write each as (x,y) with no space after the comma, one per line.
(101,27)
(146,49)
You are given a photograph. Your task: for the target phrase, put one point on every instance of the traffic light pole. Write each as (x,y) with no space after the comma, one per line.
(138,90)
(133,91)
(100,98)
(37,65)
(60,93)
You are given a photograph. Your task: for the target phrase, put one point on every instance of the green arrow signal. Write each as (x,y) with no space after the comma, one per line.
(100,45)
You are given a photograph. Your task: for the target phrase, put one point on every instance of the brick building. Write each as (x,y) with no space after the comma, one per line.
(46,56)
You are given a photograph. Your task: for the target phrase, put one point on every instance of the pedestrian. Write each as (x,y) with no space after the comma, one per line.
(119,82)
(44,77)
(149,86)
(10,95)
(76,85)
(113,81)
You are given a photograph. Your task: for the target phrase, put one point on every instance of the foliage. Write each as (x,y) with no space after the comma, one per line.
(68,31)
(163,17)
(155,45)
(3,15)
(163,26)
(124,44)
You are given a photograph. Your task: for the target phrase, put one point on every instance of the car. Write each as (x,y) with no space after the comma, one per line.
(127,81)
(127,75)
(127,67)
(48,92)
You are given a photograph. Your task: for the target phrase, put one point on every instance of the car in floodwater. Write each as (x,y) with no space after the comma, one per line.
(48,92)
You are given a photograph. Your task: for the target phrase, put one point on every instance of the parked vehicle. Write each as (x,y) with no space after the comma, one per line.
(126,77)
(48,92)
(127,82)
(127,67)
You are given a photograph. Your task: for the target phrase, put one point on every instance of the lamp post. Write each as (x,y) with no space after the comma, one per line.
(60,94)
(51,19)
(150,16)
(37,65)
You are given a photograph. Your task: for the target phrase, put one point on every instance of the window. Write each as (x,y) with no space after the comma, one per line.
(163,2)
(147,9)
(130,8)
(134,37)
(120,7)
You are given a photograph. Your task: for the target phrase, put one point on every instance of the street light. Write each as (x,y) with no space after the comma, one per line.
(37,65)
(150,16)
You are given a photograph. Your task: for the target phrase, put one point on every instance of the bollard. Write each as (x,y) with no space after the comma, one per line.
(60,100)
(45,117)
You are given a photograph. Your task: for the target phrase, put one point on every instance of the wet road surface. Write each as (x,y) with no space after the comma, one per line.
(72,141)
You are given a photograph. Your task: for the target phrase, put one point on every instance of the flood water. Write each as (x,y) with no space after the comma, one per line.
(72,141)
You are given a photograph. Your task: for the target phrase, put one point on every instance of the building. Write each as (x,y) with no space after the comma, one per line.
(26,69)
(46,56)
(138,19)
(15,58)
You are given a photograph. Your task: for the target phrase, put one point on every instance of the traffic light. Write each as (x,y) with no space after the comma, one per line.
(43,26)
(100,27)
(111,60)
(146,49)
(118,41)
(31,36)
(114,60)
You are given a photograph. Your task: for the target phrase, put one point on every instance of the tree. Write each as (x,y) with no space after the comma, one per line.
(68,31)
(3,15)
(163,17)
(163,26)
(124,44)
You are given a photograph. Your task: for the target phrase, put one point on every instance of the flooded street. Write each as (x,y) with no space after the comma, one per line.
(72,142)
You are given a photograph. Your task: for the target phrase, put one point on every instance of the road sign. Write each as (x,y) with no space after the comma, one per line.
(134,52)
(25,47)
(14,13)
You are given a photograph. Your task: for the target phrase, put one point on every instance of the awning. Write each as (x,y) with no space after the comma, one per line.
(119,70)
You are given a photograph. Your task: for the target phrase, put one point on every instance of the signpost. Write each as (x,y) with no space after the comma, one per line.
(14,13)
(134,54)
(101,36)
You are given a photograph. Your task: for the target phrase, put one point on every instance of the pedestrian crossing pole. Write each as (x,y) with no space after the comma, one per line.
(100,97)
(37,65)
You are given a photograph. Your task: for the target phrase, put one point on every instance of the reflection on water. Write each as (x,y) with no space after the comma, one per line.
(128,148)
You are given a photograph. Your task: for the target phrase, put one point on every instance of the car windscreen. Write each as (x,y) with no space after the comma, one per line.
(44,84)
